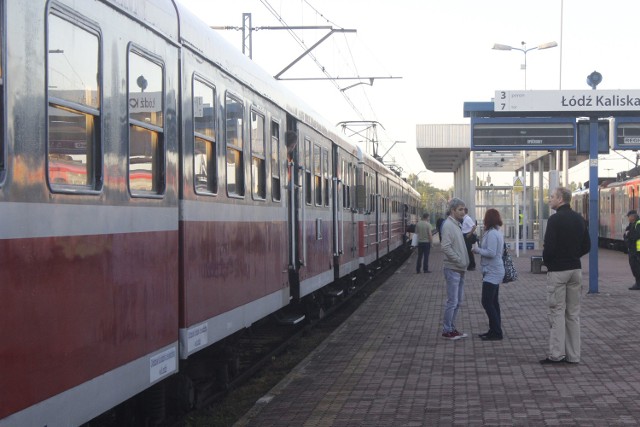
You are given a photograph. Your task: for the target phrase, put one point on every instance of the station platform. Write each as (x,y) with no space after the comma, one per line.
(388,365)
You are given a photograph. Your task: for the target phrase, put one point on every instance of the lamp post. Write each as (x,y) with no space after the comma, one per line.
(524,50)
(416,179)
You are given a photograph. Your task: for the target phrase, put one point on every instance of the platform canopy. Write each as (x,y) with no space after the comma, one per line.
(445,147)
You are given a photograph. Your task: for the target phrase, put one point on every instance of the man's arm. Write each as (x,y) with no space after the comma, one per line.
(586,242)
(549,249)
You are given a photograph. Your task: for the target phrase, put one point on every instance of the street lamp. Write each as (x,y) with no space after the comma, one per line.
(416,178)
(524,50)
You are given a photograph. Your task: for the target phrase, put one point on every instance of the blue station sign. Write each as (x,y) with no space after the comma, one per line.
(521,133)
(627,136)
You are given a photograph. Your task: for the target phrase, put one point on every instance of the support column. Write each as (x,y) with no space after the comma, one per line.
(471,193)
(565,167)
(540,202)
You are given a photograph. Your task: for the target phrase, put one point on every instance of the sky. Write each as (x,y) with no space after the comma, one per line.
(442,52)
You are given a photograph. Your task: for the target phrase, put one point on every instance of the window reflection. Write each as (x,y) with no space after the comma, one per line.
(275,161)
(204,150)
(74,155)
(70,137)
(143,159)
(258,161)
(146,145)
(145,90)
(73,63)
(234,140)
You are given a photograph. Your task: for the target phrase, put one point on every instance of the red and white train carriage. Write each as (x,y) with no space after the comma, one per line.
(615,199)
(158,193)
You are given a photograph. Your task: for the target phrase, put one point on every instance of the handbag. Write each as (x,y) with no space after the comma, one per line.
(414,240)
(510,273)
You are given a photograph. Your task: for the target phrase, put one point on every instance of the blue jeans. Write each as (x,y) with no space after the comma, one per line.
(491,305)
(455,293)
(424,248)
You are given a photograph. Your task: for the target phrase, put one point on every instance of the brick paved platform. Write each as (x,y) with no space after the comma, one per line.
(388,366)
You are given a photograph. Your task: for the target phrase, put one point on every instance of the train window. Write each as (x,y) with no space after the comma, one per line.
(307,170)
(317,174)
(275,161)
(146,126)
(204,138)
(74,157)
(325,172)
(258,159)
(234,136)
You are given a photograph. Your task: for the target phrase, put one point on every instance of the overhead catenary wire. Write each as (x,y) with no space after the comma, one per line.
(317,62)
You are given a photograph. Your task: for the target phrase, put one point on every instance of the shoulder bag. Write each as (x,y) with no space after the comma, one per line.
(510,273)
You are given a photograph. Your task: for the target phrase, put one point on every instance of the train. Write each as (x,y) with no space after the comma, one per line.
(616,197)
(159,193)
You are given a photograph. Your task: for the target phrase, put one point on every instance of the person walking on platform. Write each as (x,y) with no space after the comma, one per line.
(439,228)
(566,240)
(470,237)
(455,263)
(490,251)
(632,239)
(425,236)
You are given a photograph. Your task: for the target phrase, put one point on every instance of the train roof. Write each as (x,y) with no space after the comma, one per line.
(159,15)
(206,42)
(201,39)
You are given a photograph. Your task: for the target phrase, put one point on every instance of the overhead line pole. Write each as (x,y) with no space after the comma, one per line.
(295,61)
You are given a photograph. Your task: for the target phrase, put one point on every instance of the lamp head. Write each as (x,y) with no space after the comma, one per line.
(594,79)
(499,46)
(548,45)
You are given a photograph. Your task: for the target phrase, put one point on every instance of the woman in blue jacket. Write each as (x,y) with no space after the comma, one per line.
(490,250)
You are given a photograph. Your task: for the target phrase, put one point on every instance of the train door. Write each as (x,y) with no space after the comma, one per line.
(337,212)
(293,201)
(379,214)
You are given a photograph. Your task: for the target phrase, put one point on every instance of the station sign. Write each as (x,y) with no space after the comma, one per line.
(627,133)
(512,134)
(560,101)
(583,138)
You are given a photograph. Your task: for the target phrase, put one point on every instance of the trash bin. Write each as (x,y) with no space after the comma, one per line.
(536,264)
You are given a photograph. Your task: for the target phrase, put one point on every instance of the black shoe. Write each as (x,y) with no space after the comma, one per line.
(548,361)
(571,363)
(484,335)
(417,272)
(491,338)
(634,288)
(428,271)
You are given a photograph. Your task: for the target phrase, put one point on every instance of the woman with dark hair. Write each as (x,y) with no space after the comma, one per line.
(490,251)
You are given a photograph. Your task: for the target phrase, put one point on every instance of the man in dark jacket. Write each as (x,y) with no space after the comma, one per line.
(631,235)
(566,240)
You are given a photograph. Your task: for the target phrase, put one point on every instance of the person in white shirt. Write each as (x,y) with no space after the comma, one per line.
(469,230)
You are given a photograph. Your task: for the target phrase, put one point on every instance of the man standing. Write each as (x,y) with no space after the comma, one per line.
(566,240)
(423,229)
(469,230)
(455,264)
(632,239)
